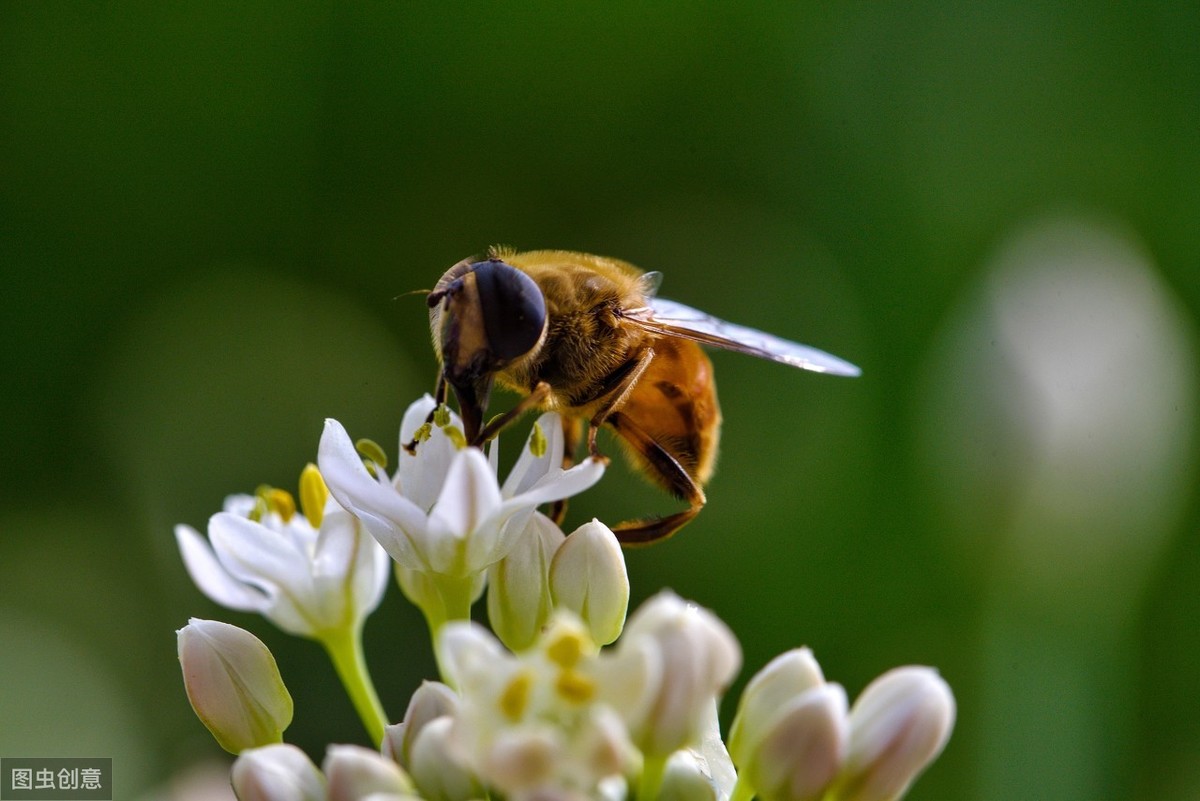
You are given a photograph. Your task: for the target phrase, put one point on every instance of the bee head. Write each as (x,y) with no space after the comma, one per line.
(484,316)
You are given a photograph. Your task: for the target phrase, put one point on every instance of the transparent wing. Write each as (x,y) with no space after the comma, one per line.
(677,320)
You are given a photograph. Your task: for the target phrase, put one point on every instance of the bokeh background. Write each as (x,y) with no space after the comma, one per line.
(208,212)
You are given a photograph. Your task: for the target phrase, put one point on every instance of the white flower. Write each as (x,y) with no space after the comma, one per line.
(431,701)
(898,725)
(518,587)
(798,755)
(535,722)
(233,685)
(695,657)
(588,577)
(354,773)
(434,768)
(444,510)
(277,773)
(794,740)
(310,573)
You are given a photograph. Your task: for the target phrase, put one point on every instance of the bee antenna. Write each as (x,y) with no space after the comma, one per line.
(413,292)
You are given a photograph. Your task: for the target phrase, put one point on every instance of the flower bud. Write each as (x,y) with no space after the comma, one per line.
(233,685)
(898,726)
(354,772)
(276,773)
(781,680)
(697,657)
(518,593)
(685,779)
(588,577)
(432,700)
(434,769)
(798,756)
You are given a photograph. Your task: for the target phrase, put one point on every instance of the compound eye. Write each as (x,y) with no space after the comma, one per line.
(514,310)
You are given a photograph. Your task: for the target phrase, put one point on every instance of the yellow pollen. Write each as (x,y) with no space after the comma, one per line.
(575,686)
(423,432)
(566,649)
(456,436)
(313,494)
(278,501)
(515,698)
(369,449)
(537,441)
(441,416)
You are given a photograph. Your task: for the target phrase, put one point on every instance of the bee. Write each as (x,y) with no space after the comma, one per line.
(586,336)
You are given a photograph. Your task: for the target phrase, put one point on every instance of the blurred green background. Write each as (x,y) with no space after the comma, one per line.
(208,210)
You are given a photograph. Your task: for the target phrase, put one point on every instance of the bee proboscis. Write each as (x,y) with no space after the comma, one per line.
(587,336)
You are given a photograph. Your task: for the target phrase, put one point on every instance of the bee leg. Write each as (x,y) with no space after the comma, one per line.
(624,379)
(572,435)
(503,421)
(439,399)
(666,470)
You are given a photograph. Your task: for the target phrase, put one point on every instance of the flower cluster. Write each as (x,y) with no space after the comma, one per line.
(562,697)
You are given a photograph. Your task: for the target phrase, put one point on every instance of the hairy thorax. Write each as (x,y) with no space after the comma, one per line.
(587,341)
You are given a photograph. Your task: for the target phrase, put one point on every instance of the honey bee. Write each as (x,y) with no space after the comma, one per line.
(586,336)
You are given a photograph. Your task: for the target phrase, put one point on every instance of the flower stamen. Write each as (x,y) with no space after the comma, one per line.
(515,698)
(575,687)
(537,441)
(567,649)
(271,499)
(313,495)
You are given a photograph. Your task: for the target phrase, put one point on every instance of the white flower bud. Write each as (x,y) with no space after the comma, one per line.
(432,700)
(686,779)
(434,769)
(521,760)
(233,685)
(898,725)
(697,655)
(781,680)
(588,577)
(798,756)
(518,594)
(276,773)
(354,772)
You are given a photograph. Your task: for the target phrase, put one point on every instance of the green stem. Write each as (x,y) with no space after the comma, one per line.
(344,647)
(653,768)
(742,791)
(455,596)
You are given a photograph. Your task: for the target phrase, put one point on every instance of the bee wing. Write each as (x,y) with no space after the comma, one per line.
(669,318)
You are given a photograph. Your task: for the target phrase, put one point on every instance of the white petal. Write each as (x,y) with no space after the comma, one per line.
(391,518)
(435,770)
(354,772)
(899,724)
(519,602)
(470,493)
(277,773)
(420,476)
(782,679)
(512,515)
(531,469)
(588,577)
(348,564)
(256,554)
(556,485)
(468,650)
(212,579)
(801,753)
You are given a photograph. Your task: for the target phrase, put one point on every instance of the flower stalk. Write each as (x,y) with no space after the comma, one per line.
(345,650)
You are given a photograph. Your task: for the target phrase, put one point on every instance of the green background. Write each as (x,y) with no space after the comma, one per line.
(208,210)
